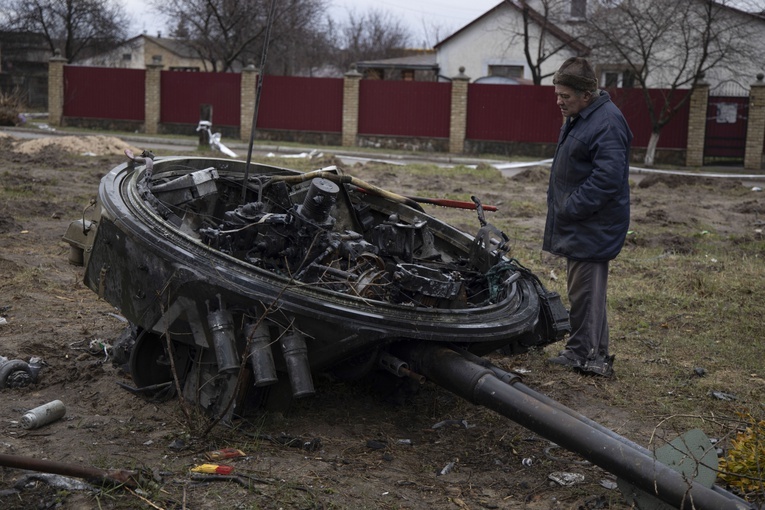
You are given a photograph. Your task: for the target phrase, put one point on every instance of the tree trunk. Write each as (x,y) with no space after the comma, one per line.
(650,151)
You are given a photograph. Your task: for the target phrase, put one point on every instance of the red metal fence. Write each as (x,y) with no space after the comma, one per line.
(503,113)
(633,105)
(526,113)
(404,108)
(181,95)
(519,113)
(301,104)
(104,93)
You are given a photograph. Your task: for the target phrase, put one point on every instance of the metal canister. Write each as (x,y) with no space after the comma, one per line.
(43,415)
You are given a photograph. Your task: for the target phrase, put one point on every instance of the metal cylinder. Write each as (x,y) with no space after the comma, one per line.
(319,200)
(261,357)
(222,328)
(43,415)
(295,353)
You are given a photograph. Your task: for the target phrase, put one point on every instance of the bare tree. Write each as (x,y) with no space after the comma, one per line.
(541,38)
(533,28)
(77,28)
(433,32)
(231,33)
(301,42)
(670,45)
(374,34)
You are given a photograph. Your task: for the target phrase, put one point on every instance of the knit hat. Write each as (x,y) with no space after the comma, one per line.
(576,73)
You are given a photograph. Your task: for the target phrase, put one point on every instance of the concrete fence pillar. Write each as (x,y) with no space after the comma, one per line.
(697,125)
(351,86)
(755,129)
(56,89)
(152,98)
(248,97)
(458,114)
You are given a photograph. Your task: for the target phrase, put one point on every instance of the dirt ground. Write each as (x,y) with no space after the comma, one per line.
(356,447)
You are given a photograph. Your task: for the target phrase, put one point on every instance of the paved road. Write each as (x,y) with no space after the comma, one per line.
(350,156)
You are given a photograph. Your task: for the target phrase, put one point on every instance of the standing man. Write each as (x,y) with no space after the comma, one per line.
(588,208)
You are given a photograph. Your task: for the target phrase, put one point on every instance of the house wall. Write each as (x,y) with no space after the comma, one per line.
(142,52)
(115,58)
(492,40)
(168,58)
(729,75)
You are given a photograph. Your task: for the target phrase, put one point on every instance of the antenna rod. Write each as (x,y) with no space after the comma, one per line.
(259,87)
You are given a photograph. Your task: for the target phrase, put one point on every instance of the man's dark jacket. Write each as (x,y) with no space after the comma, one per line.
(588,201)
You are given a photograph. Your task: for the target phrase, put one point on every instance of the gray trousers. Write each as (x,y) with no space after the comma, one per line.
(587,282)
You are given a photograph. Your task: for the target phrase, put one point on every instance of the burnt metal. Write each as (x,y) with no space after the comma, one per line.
(228,273)
(173,248)
(18,373)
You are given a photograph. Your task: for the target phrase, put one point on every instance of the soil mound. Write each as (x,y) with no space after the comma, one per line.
(98,145)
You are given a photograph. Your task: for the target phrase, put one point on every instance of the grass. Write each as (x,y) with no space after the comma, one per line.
(686,324)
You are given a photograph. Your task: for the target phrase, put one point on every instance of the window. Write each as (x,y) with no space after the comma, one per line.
(127,56)
(506,71)
(611,80)
(617,79)
(578,8)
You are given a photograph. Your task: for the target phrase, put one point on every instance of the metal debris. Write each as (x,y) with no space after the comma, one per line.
(566,479)
(459,423)
(447,468)
(18,373)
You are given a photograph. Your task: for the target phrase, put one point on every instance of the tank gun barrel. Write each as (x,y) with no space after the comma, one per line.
(485,385)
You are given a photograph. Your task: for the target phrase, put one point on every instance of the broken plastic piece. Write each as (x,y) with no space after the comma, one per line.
(215,469)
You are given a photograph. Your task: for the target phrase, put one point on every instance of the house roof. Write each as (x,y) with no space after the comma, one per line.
(426,61)
(535,16)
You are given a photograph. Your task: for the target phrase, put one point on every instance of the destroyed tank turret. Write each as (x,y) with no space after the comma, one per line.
(240,282)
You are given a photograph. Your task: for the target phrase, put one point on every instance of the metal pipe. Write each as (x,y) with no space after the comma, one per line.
(398,367)
(480,385)
(116,477)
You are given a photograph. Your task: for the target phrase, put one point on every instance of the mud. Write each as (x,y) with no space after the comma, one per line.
(364,445)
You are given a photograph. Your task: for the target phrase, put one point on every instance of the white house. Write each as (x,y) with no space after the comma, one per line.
(492,44)
(138,52)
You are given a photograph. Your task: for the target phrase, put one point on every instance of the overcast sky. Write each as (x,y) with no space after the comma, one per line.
(423,17)
(427,19)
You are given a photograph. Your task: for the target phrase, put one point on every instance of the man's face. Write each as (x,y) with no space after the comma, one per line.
(571,101)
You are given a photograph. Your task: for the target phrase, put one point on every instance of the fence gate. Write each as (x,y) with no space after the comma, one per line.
(725,141)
